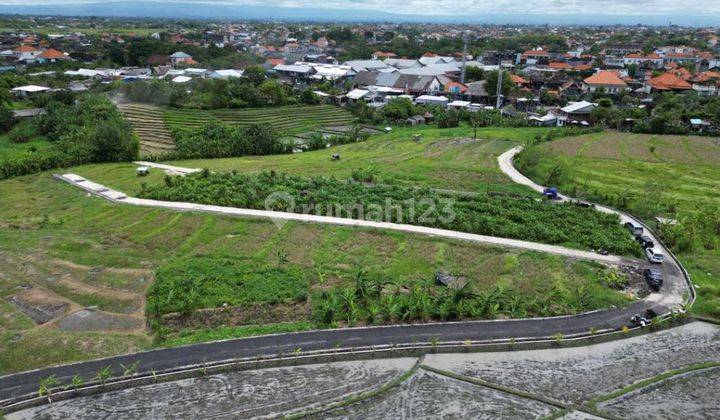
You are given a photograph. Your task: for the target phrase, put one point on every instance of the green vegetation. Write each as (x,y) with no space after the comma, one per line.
(285,119)
(671,114)
(676,177)
(90,131)
(52,234)
(443,158)
(186,337)
(200,282)
(214,140)
(509,217)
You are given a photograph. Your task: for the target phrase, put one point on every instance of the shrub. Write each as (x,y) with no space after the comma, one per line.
(216,140)
(190,283)
(22,133)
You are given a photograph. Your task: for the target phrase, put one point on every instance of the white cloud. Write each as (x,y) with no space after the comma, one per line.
(472,8)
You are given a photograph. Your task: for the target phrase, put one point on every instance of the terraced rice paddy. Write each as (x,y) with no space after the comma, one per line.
(287,119)
(147,122)
(153,125)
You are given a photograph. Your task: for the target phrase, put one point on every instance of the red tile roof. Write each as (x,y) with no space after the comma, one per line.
(536,53)
(518,80)
(51,54)
(560,65)
(276,61)
(605,78)
(669,81)
(25,48)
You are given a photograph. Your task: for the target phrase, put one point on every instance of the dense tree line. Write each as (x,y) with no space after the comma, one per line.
(671,114)
(250,91)
(217,140)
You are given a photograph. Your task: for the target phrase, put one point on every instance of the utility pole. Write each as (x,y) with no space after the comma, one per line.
(464,57)
(499,86)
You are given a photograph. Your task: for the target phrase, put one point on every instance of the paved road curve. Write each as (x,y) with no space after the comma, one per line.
(27,382)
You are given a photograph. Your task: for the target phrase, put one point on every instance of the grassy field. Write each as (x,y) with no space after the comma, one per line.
(651,175)
(62,251)
(444,158)
(11,150)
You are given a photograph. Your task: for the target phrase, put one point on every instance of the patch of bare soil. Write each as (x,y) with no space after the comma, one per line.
(40,305)
(637,285)
(238,315)
(94,320)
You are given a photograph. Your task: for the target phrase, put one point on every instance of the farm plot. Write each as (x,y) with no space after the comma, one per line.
(287,119)
(147,122)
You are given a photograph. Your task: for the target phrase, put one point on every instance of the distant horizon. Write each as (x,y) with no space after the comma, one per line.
(252,10)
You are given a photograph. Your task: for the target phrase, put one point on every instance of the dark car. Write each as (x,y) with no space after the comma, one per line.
(645,241)
(654,278)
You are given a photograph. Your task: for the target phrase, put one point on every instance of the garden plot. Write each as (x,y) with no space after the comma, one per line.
(93,320)
(242,394)
(575,375)
(690,396)
(428,395)
(40,305)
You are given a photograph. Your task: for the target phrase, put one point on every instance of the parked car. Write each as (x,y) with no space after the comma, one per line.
(550,193)
(634,228)
(654,278)
(645,241)
(654,255)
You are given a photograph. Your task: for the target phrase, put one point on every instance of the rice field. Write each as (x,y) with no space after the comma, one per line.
(286,119)
(154,125)
(147,122)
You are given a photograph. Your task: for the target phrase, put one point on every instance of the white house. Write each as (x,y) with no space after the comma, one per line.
(225,74)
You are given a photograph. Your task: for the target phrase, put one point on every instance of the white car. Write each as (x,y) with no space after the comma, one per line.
(655,255)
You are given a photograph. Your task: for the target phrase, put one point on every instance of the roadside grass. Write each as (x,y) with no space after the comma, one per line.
(444,158)
(649,175)
(186,337)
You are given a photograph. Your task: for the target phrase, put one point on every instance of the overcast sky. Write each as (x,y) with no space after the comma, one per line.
(472,7)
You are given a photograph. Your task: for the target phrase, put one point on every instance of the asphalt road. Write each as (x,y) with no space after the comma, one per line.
(162,359)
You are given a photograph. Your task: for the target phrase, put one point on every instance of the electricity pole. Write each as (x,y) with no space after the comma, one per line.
(499,86)
(464,57)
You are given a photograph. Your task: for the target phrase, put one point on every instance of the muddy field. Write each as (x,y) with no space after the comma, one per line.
(429,395)
(517,386)
(232,395)
(575,375)
(693,395)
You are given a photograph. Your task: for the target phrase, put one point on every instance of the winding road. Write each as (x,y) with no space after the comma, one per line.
(26,383)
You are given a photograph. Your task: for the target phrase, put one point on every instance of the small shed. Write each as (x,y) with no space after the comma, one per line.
(415,120)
